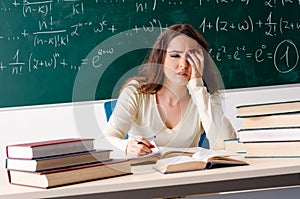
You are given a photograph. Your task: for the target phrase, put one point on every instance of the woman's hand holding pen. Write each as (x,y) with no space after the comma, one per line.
(196,60)
(140,146)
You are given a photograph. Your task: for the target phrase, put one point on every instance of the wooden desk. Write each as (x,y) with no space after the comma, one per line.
(147,183)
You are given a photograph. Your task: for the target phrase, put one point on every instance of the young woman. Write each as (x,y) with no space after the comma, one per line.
(174,99)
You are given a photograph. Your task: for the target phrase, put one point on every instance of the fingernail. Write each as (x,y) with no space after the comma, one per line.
(192,51)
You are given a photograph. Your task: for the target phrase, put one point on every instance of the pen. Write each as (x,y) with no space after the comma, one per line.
(149,139)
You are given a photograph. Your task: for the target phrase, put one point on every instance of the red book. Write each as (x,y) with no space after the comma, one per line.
(70,175)
(49,148)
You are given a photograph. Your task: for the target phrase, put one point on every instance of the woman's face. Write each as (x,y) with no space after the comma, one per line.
(176,67)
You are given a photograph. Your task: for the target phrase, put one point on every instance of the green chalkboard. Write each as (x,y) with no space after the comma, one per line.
(54,51)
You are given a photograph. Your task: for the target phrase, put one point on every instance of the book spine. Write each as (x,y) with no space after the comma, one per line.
(9,176)
(266,104)
(271,114)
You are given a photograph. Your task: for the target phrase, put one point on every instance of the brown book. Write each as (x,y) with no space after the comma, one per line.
(271,121)
(268,108)
(53,162)
(49,148)
(204,159)
(70,175)
(273,149)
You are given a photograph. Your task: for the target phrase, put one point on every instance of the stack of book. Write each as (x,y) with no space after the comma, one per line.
(235,145)
(54,163)
(270,129)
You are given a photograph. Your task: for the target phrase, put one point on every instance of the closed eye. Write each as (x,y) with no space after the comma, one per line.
(174,56)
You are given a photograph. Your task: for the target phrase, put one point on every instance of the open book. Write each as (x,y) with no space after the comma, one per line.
(202,159)
(162,152)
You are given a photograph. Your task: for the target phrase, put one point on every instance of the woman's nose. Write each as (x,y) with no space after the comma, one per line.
(183,63)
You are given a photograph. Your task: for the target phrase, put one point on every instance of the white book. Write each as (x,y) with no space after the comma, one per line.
(269,134)
(59,161)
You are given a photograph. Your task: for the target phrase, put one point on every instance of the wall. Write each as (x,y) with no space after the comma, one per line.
(235,97)
(85,119)
(36,123)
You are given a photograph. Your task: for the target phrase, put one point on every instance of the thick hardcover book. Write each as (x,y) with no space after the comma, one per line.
(53,162)
(271,121)
(234,145)
(70,175)
(269,134)
(268,108)
(49,148)
(273,149)
(204,159)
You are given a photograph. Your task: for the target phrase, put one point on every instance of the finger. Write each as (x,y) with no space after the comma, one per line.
(191,62)
(145,142)
(196,70)
(201,53)
(140,151)
(143,147)
(195,57)
(198,59)
(137,149)
(200,64)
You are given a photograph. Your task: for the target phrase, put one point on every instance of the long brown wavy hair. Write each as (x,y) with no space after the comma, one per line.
(151,73)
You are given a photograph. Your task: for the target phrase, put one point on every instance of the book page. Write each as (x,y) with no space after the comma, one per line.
(176,160)
(178,164)
(206,154)
(162,152)
(175,151)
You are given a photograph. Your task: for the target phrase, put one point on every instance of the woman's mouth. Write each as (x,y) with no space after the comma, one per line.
(182,74)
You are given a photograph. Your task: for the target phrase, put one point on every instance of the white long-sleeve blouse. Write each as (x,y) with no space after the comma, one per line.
(138,116)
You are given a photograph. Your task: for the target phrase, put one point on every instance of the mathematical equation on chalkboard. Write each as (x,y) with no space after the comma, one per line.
(42,28)
(55,60)
(285,58)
